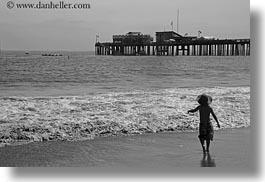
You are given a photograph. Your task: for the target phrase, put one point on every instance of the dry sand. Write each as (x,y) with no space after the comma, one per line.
(165,151)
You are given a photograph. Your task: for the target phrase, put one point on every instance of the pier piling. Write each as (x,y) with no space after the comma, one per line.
(223,47)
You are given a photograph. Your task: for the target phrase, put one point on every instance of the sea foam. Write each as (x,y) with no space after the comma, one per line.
(27,119)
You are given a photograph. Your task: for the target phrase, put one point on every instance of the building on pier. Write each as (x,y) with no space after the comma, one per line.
(168,36)
(132,38)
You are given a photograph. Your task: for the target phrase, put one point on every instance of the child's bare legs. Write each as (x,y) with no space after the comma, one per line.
(208,145)
(202,143)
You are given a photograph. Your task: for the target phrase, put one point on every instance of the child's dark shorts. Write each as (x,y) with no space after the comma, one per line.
(206,131)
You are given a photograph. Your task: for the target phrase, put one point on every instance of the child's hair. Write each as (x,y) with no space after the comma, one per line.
(203,100)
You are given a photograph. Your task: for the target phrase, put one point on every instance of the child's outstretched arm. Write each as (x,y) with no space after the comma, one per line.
(214,116)
(194,110)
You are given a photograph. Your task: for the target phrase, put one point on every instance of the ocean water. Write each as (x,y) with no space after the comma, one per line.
(80,96)
(82,74)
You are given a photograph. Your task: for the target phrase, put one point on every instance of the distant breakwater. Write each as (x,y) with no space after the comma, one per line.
(28,119)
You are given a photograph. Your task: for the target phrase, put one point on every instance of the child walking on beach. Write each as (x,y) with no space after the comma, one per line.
(206,128)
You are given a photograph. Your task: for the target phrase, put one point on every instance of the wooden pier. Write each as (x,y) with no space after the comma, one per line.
(217,47)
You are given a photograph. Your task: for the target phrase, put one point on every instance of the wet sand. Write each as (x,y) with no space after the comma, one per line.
(230,149)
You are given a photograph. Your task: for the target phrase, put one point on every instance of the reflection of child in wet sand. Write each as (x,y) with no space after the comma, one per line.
(206,128)
(207,161)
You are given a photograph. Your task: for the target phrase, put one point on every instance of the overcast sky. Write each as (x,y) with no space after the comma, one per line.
(76,30)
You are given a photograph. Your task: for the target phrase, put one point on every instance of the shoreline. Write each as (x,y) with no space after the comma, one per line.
(87,117)
(56,96)
(167,151)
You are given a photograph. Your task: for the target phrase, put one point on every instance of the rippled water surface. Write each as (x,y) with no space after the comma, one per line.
(36,75)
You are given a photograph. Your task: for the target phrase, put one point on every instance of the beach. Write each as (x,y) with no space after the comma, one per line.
(106,89)
(168,152)
(119,112)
